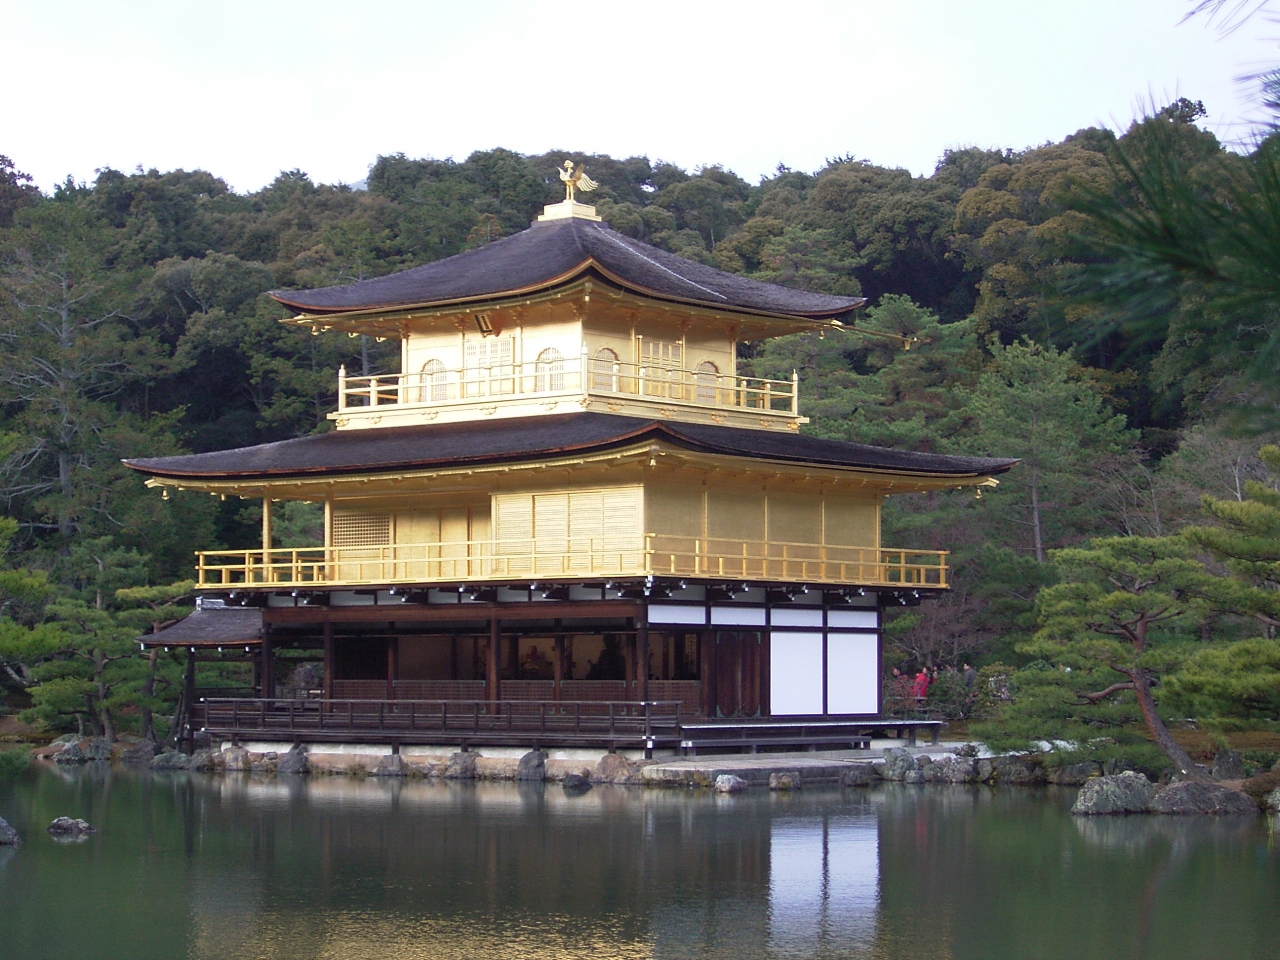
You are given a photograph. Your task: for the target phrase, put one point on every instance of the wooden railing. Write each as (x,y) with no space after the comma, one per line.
(561,558)
(572,376)
(596,721)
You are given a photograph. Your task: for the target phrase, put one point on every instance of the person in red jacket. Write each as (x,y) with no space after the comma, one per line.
(920,689)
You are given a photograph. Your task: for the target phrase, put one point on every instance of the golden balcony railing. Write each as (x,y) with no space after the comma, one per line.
(570,376)
(561,558)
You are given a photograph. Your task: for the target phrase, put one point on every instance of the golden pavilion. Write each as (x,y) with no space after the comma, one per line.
(568,519)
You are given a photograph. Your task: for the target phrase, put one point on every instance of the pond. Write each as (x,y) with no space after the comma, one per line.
(209,866)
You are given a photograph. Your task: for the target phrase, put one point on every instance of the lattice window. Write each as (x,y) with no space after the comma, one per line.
(705,381)
(604,370)
(361,529)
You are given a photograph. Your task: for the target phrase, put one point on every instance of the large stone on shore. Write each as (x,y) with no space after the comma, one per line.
(728,783)
(67,827)
(900,765)
(615,768)
(235,759)
(1193,797)
(1228,765)
(461,766)
(1127,792)
(1272,801)
(170,760)
(950,769)
(8,836)
(294,762)
(392,765)
(205,760)
(1015,770)
(784,780)
(859,775)
(575,783)
(532,766)
(142,752)
(1111,768)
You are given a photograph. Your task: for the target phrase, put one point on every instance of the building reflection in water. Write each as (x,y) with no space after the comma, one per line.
(355,868)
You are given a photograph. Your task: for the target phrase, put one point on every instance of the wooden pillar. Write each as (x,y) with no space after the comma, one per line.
(642,656)
(453,657)
(629,658)
(266,528)
(513,660)
(558,665)
(328,660)
(492,674)
(707,669)
(268,691)
(189,694)
(393,653)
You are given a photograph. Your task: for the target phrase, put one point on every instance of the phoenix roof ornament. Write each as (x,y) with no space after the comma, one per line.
(576,180)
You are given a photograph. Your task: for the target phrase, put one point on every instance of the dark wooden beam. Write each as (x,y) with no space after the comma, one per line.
(477,612)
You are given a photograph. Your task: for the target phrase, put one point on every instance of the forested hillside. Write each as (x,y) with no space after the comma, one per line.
(1127,377)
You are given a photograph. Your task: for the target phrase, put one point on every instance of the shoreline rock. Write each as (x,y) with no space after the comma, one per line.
(1121,793)
(1190,797)
(9,837)
(728,783)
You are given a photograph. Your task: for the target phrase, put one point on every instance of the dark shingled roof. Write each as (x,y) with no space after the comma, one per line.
(210,627)
(555,252)
(504,441)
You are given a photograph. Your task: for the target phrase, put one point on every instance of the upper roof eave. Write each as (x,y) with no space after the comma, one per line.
(391,311)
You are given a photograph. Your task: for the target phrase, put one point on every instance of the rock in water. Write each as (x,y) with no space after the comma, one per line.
(70,753)
(1228,765)
(170,760)
(294,762)
(1127,792)
(728,783)
(788,780)
(8,836)
(1271,801)
(1193,797)
(575,783)
(392,765)
(142,752)
(1015,770)
(532,766)
(67,827)
(462,766)
(859,775)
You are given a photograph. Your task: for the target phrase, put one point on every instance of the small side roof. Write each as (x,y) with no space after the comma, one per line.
(556,252)
(211,626)
(427,446)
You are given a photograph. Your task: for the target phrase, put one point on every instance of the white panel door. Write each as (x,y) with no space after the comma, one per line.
(795,673)
(853,674)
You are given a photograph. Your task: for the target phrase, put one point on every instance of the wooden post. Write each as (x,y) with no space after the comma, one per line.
(492,674)
(629,657)
(266,532)
(513,660)
(707,668)
(189,694)
(642,655)
(558,665)
(393,651)
(268,691)
(328,660)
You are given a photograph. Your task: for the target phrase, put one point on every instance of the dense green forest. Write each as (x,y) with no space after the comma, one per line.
(1090,306)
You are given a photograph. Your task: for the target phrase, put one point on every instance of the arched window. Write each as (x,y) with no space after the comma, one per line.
(604,370)
(434,385)
(705,380)
(548,371)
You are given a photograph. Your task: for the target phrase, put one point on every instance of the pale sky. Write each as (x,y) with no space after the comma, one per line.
(246,89)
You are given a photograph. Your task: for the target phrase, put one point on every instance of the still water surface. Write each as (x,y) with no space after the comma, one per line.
(229,868)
